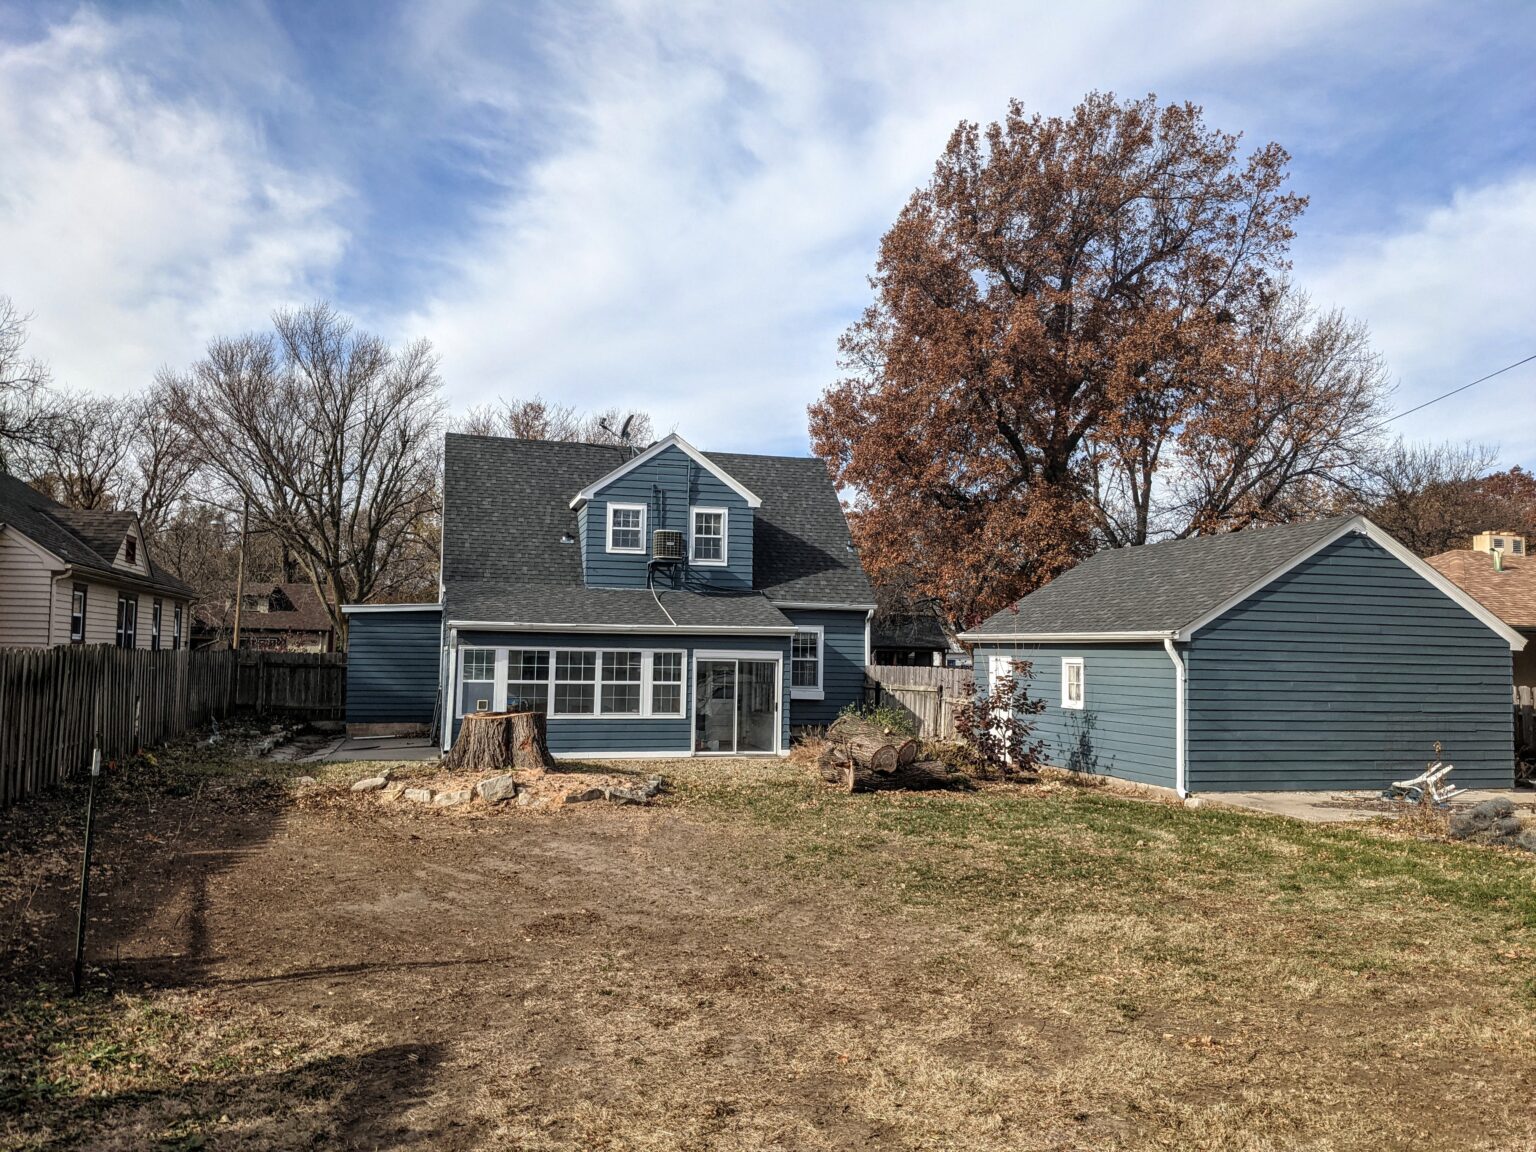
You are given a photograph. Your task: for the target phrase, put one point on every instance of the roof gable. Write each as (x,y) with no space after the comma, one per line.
(1172,590)
(656,449)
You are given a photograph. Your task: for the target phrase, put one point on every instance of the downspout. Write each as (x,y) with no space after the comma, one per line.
(1180,718)
(869,618)
(450,696)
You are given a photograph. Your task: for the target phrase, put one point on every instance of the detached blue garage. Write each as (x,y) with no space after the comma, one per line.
(394,652)
(1307,656)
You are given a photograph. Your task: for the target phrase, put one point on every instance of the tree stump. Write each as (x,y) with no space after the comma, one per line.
(500,741)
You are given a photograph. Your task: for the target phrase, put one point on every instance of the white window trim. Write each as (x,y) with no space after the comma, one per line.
(618,507)
(807,692)
(725,536)
(647,681)
(1082,683)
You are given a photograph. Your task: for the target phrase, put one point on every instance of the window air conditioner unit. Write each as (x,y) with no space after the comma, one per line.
(667,545)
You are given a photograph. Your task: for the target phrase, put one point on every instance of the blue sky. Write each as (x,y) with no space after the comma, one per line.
(675,206)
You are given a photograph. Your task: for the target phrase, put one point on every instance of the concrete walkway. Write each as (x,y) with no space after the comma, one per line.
(1342,807)
(350,748)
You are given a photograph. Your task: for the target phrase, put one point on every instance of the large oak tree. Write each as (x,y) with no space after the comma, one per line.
(1081,335)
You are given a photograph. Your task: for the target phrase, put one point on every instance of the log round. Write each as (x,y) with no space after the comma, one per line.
(500,741)
(906,753)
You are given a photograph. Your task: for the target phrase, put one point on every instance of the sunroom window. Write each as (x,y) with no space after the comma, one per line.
(477,689)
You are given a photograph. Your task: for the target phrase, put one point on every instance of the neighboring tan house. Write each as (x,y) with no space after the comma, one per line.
(81,577)
(1499,575)
(273,618)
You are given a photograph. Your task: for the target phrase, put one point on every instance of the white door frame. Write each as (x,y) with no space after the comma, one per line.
(736,657)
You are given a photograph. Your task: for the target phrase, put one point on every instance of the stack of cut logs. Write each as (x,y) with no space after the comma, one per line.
(861,756)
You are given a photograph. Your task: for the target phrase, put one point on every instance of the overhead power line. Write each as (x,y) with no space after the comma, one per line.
(1454,391)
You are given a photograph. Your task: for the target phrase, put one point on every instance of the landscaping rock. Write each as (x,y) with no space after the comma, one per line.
(419,795)
(450,799)
(305,782)
(655,786)
(1193,802)
(496,789)
(532,800)
(369,784)
(628,796)
(582,795)
(392,791)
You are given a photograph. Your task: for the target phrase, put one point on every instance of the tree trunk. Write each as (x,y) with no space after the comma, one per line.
(838,768)
(872,752)
(906,753)
(500,741)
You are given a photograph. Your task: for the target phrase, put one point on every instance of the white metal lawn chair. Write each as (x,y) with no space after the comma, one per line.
(1431,781)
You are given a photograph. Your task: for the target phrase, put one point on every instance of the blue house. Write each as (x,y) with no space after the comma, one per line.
(1322,655)
(663,603)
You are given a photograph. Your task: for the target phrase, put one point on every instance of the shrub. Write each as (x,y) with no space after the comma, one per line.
(883,716)
(997,727)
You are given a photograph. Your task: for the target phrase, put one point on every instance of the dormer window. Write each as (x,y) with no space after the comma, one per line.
(708,536)
(131,550)
(626,528)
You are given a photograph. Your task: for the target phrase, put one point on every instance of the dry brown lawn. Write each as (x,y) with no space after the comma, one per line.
(756,963)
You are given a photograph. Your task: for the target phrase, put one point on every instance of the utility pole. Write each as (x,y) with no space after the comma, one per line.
(245,518)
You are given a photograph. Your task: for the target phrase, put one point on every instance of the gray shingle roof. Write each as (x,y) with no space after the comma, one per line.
(496,601)
(506,504)
(87,540)
(1156,587)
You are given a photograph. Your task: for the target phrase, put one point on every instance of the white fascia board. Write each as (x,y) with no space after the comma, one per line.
(1382,538)
(671,441)
(1063,637)
(820,606)
(358,609)
(652,629)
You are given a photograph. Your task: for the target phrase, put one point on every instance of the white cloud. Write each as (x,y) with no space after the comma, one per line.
(703,232)
(1450,297)
(133,224)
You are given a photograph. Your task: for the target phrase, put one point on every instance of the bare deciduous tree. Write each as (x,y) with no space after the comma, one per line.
(26,405)
(538,419)
(333,438)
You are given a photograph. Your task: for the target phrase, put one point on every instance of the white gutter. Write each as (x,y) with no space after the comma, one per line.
(1180,718)
(654,629)
(820,606)
(358,609)
(1063,637)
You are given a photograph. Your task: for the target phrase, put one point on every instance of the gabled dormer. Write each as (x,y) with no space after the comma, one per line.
(670,515)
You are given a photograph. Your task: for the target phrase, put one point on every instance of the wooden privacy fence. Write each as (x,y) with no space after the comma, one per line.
(1525,717)
(928,693)
(55,701)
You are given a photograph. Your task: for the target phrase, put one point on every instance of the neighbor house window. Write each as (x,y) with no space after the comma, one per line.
(1517,546)
(708,535)
(1498,542)
(1072,682)
(176,628)
(477,680)
(131,550)
(77,615)
(527,680)
(154,627)
(667,684)
(626,528)
(805,664)
(575,683)
(127,620)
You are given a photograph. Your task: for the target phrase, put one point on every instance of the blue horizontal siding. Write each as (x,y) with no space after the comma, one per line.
(1125,728)
(669,485)
(842,673)
(392,666)
(1342,674)
(589,734)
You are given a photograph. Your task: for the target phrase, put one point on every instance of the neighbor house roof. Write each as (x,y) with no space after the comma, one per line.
(917,630)
(1510,593)
(1173,588)
(307,613)
(507,504)
(86,540)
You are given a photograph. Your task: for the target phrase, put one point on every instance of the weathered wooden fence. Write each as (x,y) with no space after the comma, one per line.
(1525,717)
(928,693)
(57,703)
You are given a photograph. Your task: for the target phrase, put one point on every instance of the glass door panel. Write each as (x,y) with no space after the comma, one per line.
(714,717)
(757,706)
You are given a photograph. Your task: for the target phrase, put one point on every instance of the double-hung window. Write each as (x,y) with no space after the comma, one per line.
(622,676)
(708,535)
(154,627)
(528,680)
(1072,682)
(127,620)
(575,683)
(176,628)
(805,663)
(666,684)
(477,680)
(77,615)
(626,528)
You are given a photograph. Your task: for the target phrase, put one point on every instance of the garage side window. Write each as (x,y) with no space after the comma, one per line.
(477,691)
(1072,682)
